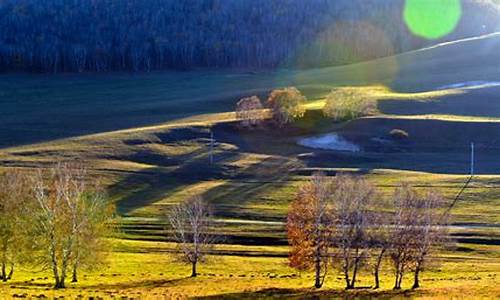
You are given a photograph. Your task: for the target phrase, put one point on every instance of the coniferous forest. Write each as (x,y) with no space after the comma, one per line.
(137,35)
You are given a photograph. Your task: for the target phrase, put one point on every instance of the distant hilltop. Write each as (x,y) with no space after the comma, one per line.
(136,35)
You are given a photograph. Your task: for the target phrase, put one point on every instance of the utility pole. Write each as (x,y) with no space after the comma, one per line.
(457,197)
(472,159)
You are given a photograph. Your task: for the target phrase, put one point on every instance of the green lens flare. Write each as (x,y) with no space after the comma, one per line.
(432,19)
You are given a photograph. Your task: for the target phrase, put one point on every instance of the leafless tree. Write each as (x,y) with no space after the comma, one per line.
(308,227)
(14,195)
(380,242)
(192,223)
(249,111)
(353,197)
(403,232)
(431,230)
(64,211)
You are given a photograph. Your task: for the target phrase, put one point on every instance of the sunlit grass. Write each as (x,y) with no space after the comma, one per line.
(144,270)
(380,93)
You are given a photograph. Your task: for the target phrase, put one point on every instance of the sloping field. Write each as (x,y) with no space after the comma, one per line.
(36,108)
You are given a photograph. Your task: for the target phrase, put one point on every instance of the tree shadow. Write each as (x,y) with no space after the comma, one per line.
(303,294)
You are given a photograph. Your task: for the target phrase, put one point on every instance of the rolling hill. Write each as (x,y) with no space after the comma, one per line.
(36,108)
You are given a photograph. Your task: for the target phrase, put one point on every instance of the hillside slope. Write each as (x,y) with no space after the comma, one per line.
(37,108)
(100,36)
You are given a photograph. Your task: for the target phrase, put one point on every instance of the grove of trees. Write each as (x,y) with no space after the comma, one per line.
(53,220)
(338,223)
(136,35)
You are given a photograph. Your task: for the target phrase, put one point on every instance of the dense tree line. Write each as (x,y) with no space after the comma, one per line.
(136,35)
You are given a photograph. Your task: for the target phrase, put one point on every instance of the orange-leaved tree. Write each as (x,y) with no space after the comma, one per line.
(308,227)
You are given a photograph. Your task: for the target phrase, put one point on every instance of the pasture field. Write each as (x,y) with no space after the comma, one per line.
(147,136)
(145,270)
(254,177)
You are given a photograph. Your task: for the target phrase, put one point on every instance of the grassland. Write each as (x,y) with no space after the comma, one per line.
(147,137)
(254,177)
(145,270)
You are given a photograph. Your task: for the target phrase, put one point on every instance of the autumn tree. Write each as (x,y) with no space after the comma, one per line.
(308,227)
(96,217)
(352,198)
(68,215)
(14,196)
(349,103)
(249,112)
(191,223)
(286,105)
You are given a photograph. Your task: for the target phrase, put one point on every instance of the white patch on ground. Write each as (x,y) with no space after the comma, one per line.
(470,85)
(330,141)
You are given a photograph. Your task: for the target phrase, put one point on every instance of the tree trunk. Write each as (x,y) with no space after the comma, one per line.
(354,273)
(193,269)
(317,267)
(401,274)
(4,274)
(60,283)
(346,278)
(75,275)
(416,283)
(377,281)
(11,272)
(377,268)
(396,283)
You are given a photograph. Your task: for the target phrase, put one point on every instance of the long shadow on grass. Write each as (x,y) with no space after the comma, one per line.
(154,184)
(300,294)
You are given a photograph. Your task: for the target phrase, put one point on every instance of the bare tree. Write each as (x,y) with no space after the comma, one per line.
(249,111)
(418,228)
(353,197)
(65,208)
(308,227)
(14,195)
(191,222)
(286,105)
(431,230)
(380,234)
(402,235)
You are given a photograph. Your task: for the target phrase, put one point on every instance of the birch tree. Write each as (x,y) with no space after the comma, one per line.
(404,233)
(352,197)
(431,231)
(191,223)
(380,242)
(308,227)
(14,195)
(66,212)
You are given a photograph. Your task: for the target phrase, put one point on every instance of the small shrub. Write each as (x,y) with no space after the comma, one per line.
(286,105)
(399,134)
(348,103)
